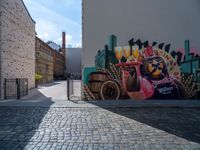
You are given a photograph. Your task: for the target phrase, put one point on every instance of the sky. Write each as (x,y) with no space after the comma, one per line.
(52,17)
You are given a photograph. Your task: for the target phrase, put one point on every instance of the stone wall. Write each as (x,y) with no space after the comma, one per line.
(18,43)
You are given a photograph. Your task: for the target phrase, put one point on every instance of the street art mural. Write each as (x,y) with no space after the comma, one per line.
(143,71)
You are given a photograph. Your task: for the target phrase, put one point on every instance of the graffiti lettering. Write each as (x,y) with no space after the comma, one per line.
(146,44)
(177,55)
(139,43)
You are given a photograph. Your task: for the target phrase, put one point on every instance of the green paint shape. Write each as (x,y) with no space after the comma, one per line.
(86,72)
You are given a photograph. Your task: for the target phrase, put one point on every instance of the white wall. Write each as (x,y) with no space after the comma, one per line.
(169,21)
(74,60)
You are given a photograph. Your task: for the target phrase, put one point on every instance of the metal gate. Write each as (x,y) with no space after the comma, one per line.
(74,89)
(16,88)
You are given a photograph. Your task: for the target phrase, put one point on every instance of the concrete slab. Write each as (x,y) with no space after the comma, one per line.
(55,90)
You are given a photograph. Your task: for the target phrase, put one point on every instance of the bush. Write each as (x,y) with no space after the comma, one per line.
(38,77)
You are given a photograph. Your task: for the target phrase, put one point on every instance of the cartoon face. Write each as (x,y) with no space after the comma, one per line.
(155,67)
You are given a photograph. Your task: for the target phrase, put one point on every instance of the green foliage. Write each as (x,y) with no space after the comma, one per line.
(38,77)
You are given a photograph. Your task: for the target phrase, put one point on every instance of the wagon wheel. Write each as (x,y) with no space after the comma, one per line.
(110,90)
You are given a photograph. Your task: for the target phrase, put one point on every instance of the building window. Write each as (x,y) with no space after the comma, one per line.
(47,68)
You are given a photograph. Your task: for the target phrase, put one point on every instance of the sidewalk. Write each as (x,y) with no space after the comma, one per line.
(56,90)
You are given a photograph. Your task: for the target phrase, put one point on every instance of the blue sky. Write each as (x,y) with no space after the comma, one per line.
(54,16)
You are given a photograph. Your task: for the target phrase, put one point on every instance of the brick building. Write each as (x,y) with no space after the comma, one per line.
(44,60)
(59,54)
(58,65)
(17,48)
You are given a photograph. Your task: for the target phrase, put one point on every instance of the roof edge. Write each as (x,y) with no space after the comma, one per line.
(27,11)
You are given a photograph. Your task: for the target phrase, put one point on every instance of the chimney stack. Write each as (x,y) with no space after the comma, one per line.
(63,43)
(64,50)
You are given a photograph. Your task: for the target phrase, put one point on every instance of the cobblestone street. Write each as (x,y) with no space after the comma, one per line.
(96,128)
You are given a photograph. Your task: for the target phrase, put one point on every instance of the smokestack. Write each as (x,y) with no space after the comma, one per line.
(63,43)
(64,50)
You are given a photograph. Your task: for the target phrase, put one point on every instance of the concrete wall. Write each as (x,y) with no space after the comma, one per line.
(18,43)
(74,60)
(156,20)
(0,48)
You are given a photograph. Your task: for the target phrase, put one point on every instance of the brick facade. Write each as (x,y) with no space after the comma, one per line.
(17,37)
(50,63)
(59,59)
(58,65)
(44,61)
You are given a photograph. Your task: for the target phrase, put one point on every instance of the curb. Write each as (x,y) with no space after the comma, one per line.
(104,104)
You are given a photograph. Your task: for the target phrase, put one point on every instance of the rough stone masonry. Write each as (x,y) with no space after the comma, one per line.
(17,38)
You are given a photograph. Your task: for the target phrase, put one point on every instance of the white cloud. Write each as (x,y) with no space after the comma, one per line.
(50,24)
(68,38)
(77,45)
(43,36)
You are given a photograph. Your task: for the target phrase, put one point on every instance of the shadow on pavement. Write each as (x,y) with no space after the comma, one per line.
(35,94)
(49,84)
(19,124)
(182,122)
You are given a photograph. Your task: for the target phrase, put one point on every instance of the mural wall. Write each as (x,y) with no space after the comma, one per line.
(143,71)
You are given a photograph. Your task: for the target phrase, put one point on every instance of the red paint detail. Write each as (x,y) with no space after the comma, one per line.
(146,90)
(128,64)
(148,51)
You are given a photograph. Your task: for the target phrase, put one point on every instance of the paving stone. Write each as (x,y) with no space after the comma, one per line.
(34,128)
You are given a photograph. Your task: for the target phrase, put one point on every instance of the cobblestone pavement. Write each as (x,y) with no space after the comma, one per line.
(35,128)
